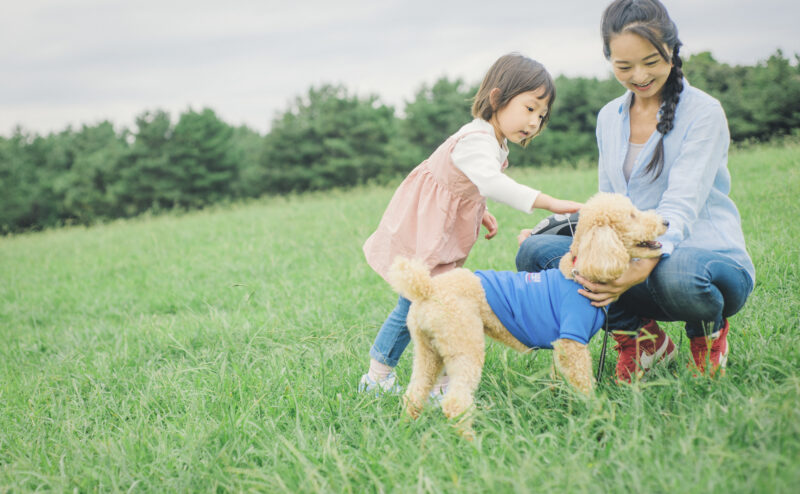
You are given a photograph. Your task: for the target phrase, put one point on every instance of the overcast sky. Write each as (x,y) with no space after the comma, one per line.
(74,62)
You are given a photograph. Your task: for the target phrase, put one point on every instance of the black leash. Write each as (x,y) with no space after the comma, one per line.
(602,362)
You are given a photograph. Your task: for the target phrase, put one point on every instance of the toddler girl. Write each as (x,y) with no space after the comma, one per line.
(436,213)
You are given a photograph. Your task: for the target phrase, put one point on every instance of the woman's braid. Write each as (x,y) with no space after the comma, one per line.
(669,97)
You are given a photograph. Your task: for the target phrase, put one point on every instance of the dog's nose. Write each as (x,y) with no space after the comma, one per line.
(666,223)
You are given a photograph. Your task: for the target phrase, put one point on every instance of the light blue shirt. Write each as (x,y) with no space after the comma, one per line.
(692,190)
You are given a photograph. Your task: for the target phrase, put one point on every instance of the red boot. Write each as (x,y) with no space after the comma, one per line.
(712,350)
(638,355)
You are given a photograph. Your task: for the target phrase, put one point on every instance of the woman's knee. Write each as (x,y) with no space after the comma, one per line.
(685,290)
(540,252)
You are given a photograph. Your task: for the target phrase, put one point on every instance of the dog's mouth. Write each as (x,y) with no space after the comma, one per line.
(649,244)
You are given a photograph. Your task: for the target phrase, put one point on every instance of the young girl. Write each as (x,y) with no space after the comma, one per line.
(436,213)
(665,145)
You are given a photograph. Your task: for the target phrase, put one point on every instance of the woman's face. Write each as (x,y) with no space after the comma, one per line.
(638,65)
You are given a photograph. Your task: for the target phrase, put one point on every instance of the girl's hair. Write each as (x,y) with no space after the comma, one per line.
(513,74)
(649,19)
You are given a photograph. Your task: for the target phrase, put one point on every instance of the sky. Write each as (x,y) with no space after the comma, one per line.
(80,62)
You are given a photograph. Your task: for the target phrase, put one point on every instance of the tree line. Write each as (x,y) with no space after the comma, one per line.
(326,138)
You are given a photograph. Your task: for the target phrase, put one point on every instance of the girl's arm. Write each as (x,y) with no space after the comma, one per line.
(543,201)
(477,156)
(490,223)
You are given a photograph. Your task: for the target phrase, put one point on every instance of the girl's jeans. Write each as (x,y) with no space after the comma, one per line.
(697,286)
(393,337)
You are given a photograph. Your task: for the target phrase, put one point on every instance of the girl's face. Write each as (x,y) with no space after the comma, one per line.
(522,117)
(638,66)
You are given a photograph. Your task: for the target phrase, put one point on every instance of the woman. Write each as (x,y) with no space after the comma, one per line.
(664,144)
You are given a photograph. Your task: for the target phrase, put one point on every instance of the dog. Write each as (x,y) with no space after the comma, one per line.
(450,313)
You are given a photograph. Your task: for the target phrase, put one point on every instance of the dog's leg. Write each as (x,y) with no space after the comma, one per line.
(572,361)
(426,367)
(464,355)
(465,375)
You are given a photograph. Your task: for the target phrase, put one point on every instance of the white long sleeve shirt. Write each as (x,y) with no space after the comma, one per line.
(480,157)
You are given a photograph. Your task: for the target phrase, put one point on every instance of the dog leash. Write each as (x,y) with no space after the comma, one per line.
(602,362)
(571,230)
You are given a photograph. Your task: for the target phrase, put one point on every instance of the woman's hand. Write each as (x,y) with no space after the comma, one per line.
(602,294)
(490,223)
(523,234)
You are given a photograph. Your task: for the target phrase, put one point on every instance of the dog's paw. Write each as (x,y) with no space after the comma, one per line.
(573,364)
(413,409)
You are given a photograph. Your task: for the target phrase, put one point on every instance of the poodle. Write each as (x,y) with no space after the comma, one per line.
(450,313)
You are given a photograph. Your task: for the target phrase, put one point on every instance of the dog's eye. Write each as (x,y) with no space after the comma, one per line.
(633,216)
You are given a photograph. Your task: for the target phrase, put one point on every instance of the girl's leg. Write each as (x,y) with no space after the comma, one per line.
(540,252)
(393,337)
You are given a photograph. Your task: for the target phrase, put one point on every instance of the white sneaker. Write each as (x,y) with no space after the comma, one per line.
(387,385)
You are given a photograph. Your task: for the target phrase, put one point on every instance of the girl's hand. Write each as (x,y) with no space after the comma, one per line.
(544,201)
(490,223)
(561,206)
(602,294)
(523,234)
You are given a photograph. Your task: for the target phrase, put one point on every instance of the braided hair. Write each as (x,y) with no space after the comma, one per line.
(649,19)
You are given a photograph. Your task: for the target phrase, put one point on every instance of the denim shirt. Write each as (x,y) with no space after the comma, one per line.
(692,190)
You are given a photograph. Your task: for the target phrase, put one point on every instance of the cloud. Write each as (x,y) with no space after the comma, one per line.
(84,61)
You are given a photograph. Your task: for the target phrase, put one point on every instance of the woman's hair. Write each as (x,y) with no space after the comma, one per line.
(650,20)
(513,74)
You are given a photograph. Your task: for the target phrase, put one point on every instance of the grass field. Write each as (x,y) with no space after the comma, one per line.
(220,351)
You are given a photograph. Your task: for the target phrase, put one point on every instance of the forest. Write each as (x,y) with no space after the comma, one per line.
(327,138)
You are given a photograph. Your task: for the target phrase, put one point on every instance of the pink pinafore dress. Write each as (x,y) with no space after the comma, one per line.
(435,216)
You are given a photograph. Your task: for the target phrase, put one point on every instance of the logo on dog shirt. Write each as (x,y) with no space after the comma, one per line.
(533,278)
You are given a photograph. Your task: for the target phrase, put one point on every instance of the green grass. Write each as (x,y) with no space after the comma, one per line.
(220,351)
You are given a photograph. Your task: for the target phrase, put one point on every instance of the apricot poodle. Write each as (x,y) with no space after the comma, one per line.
(450,313)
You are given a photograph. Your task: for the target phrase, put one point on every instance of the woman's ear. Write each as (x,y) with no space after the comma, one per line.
(601,255)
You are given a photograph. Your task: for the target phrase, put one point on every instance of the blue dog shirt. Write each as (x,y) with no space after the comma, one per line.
(539,308)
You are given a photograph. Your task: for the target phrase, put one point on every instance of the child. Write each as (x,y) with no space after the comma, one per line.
(436,213)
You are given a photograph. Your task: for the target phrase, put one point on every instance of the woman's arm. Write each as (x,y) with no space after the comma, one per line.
(691,175)
(602,294)
(603,181)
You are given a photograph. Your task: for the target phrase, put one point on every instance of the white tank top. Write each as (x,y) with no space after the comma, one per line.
(630,159)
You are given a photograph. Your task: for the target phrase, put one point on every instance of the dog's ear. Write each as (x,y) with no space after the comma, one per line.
(601,256)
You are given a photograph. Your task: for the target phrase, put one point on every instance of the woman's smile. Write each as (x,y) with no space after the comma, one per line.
(638,65)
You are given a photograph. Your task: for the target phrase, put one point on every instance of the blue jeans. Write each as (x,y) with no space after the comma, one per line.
(697,286)
(393,337)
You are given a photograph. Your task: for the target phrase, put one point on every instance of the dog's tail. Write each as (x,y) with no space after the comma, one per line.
(411,279)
